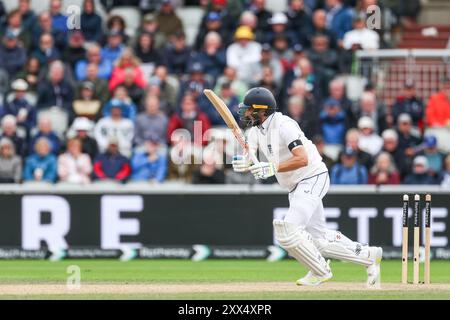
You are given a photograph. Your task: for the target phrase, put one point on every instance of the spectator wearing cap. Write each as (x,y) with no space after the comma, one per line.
(114,46)
(228,11)
(168,20)
(29,18)
(101,91)
(121,99)
(14,25)
(319,25)
(445,175)
(258,7)
(212,56)
(91,22)
(117,127)
(45,25)
(336,90)
(41,165)
(93,55)
(348,171)
(177,54)
(196,82)
(408,138)
(339,18)
(75,50)
(146,51)
(149,164)
(45,130)
(111,164)
(213,24)
(12,55)
(420,175)
(268,60)
(10,163)
(87,104)
(361,37)
(332,122)
(279,26)
(299,20)
(82,128)
(438,108)
(56,89)
(384,171)
(126,63)
(368,107)
(151,123)
(59,20)
(306,119)
(324,58)
(9,130)
(243,53)
(352,141)
(187,118)
(150,24)
(369,140)
(74,166)
(46,52)
(20,107)
(434,157)
(409,102)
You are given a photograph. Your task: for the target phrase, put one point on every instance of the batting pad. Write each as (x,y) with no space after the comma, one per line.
(298,243)
(338,246)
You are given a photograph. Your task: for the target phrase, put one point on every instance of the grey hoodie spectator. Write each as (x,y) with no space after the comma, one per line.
(10,163)
(151,122)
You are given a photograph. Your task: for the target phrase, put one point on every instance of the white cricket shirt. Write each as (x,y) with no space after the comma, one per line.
(273,138)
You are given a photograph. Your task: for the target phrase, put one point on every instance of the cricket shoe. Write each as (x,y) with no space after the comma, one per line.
(312,279)
(374,270)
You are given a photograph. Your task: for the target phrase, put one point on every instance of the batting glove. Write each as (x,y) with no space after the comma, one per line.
(263,170)
(241,163)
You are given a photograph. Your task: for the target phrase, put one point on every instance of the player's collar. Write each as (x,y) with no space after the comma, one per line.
(265,125)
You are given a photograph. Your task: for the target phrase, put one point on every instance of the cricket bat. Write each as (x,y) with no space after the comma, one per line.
(228,117)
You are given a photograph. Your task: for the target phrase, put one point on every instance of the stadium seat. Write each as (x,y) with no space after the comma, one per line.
(58,117)
(132,17)
(191,18)
(332,151)
(276,5)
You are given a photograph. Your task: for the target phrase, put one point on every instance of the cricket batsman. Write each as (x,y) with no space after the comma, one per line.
(298,167)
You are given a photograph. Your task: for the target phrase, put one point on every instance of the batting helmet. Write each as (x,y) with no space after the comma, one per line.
(258,98)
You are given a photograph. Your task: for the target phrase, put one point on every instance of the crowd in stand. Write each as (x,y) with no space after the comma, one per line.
(98,103)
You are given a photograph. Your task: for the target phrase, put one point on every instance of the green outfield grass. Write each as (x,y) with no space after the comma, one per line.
(218,271)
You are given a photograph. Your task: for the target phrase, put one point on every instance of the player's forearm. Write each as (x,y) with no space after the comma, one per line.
(294,163)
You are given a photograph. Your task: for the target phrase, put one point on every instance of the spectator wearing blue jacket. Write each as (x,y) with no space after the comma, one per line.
(45,131)
(339,18)
(41,165)
(149,164)
(59,21)
(114,46)
(122,100)
(12,55)
(93,55)
(111,165)
(333,122)
(91,23)
(212,57)
(349,171)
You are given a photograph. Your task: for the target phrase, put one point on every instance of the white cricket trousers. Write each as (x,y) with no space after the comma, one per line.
(306,207)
